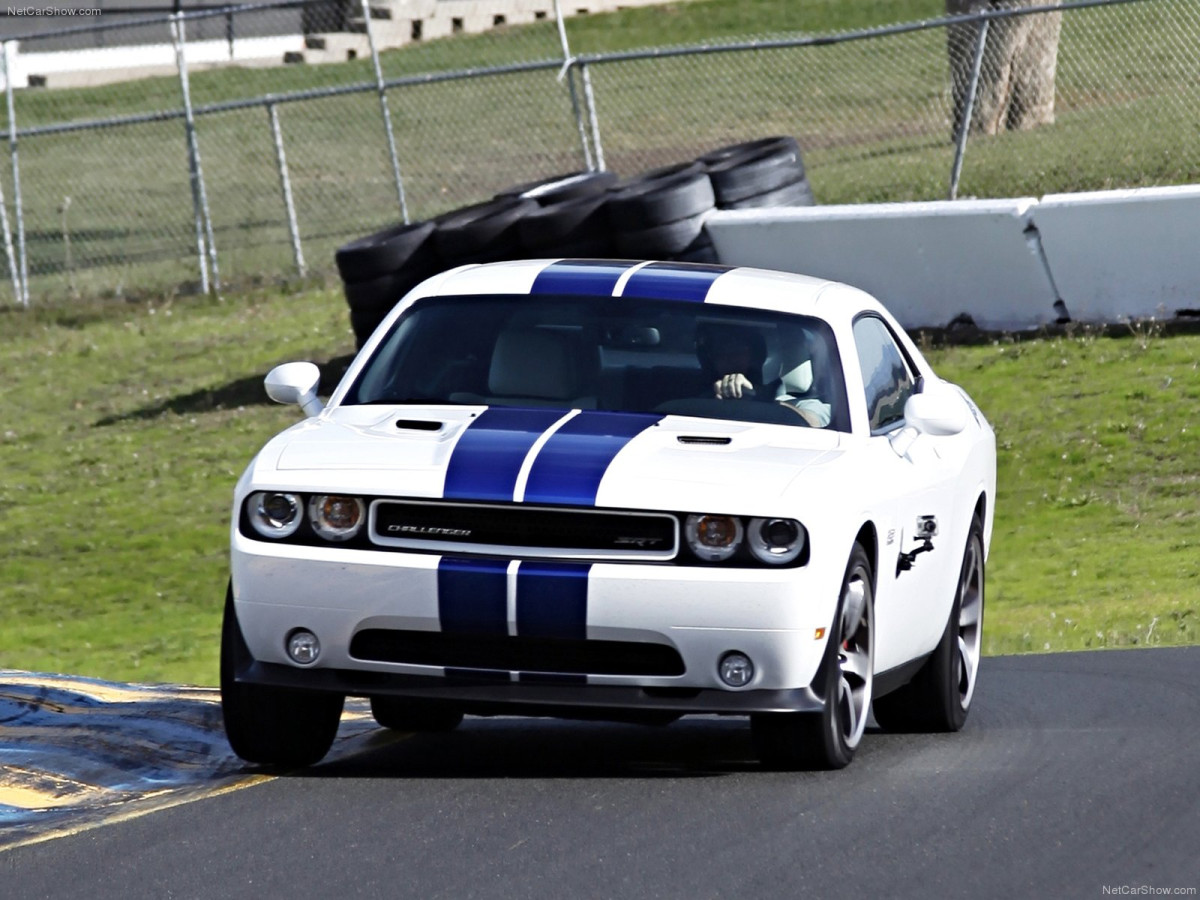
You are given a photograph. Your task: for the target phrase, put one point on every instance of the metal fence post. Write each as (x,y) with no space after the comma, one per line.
(589,100)
(204,229)
(964,127)
(23,294)
(8,244)
(569,69)
(383,105)
(285,185)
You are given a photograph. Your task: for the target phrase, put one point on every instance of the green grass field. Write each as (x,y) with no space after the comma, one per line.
(109,213)
(127,425)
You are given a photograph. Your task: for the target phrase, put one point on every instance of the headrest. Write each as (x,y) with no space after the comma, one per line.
(799,379)
(535,362)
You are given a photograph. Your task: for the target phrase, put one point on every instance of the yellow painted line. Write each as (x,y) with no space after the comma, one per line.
(29,789)
(111,692)
(169,799)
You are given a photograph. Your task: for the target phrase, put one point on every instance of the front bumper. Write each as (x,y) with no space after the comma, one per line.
(777,617)
(524,698)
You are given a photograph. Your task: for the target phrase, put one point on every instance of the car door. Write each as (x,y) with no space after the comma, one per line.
(911,484)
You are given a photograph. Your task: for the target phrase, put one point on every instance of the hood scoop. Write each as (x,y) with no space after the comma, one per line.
(418,425)
(711,440)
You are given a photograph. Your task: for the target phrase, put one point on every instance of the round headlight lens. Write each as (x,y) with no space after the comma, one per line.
(275,515)
(776,541)
(713,538)
(336,518)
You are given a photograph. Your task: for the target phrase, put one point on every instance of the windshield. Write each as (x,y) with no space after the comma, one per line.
(610,353)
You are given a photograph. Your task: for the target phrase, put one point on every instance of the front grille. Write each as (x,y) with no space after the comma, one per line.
(516,654)
(538,530)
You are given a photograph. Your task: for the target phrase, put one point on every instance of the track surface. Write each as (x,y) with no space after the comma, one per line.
(1076,773)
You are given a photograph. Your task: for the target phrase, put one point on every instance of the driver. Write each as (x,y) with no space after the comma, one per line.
(733,356)
(727,353)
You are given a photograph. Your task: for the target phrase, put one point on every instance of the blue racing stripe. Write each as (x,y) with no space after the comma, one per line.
(590,277)
(552,600)
(489,455)
(673,281)
(570,465)
(473,595)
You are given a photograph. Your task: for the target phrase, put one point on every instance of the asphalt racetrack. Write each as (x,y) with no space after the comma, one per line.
(1077,775)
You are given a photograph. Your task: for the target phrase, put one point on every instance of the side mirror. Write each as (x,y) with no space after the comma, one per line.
(295,382)
(937,410)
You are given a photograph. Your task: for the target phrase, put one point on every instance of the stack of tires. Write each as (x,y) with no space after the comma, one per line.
(758,174)
(657,214)
(379,269)
(557,216)
(660,214)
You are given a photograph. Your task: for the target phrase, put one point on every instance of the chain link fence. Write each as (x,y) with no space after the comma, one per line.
(181,152)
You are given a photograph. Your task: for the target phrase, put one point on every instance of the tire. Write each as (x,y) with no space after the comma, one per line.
(798,193)
(596,249)
(381,294)
(939,696)
(400,714)
(829,739)
(644,204)
(700,250)
(363,323)
(558,188)
(274,726)
(660,241)
(569,222)
(481,233)
(747,176)
(748,148)
(385,251)
(668,171)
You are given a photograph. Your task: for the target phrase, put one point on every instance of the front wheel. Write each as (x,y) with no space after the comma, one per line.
(939,696)
(271,725)
(829,739)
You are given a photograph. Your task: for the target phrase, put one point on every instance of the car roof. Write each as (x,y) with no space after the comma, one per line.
(655,280)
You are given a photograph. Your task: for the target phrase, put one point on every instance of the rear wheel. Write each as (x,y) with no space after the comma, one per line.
(271,725)
(400,714)
(829,739)
(939,696)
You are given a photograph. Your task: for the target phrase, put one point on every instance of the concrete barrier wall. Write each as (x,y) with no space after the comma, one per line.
(1106,255)
(1124,254)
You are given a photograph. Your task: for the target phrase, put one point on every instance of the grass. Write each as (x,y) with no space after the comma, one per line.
(109,213)
(1097,526)
(127,425)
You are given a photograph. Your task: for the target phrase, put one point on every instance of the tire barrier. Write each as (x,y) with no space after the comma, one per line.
(759,174)
(657,214)
(557,188)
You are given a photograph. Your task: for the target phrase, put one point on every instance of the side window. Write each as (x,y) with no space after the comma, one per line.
(886,377)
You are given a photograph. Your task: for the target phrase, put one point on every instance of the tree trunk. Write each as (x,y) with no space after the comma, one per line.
(1016,81)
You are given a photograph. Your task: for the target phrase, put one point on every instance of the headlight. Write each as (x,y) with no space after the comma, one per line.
(713,538)
(275,515)
(336,518)
(776,541)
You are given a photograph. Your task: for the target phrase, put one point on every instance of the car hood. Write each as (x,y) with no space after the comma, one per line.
(559,457)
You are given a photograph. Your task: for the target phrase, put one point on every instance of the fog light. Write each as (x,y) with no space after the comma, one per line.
(303,647)
(735,669)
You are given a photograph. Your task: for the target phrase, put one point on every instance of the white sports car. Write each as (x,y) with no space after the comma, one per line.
(615,490)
